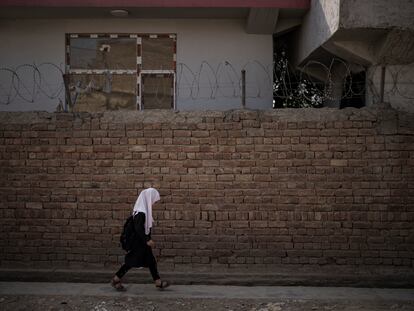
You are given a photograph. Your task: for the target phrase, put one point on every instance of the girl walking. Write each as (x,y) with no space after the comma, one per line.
(141,254)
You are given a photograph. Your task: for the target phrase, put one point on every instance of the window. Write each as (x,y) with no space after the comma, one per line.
(157,91)
(115,71)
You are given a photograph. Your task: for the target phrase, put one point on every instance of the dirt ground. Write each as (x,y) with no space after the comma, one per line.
(65,303)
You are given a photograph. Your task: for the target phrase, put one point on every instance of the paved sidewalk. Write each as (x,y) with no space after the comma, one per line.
(101,297)
(208,291)
(326,276)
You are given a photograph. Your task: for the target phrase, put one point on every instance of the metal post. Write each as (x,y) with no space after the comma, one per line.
(382,85)
(243,74)
(66,81)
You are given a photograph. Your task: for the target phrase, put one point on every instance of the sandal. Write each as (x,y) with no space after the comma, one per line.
(164,284)
(117,285)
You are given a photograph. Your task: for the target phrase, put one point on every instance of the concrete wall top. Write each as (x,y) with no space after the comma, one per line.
(372,114)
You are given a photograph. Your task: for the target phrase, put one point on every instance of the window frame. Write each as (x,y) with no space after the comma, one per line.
(139,72)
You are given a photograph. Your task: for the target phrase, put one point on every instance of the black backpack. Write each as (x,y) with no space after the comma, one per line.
(128,234)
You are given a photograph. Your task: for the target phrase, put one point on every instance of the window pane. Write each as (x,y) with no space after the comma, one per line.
(157,54)
(157,91)
(103,53)
(103,92)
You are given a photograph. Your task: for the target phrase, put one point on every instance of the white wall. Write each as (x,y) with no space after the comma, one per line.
(207,51)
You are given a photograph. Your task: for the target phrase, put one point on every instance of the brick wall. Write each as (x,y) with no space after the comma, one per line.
(240,189)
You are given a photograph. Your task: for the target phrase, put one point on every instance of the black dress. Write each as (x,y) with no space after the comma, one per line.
(141,254)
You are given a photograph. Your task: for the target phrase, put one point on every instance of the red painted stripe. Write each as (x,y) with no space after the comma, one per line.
(291,4)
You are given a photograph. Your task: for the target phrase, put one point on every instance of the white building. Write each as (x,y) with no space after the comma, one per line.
(189,55)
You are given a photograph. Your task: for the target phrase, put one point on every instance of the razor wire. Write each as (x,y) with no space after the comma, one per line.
(27,81)
(294,84)
(314,83)
(210,81)
(399,81)
(222,80)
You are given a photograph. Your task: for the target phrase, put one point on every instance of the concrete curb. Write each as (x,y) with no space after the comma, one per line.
(405,280)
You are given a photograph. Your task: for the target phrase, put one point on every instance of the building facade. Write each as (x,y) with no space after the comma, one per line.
(148,55)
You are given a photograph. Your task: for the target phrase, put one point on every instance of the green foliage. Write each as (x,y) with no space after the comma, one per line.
(290,89)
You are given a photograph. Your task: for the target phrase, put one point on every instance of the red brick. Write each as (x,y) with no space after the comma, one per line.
(327,191)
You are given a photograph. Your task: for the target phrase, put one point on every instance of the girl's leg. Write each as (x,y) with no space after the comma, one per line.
(152,265)
(121,272)
(116,280)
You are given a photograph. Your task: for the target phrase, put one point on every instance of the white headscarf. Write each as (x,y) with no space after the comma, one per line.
(144,204)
